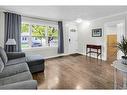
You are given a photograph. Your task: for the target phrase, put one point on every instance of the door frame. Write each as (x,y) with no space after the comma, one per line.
(72,27)
(107,24)
(115,56)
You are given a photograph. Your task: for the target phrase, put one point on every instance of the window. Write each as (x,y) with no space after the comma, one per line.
(25,34)
(34,35)
(52,36)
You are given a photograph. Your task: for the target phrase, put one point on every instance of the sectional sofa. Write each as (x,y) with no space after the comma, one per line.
(14,71)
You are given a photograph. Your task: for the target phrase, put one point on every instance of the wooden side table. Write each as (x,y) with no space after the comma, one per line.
(94,49)
(119,66)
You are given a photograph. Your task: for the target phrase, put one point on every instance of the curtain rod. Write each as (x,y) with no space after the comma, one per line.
(3,10)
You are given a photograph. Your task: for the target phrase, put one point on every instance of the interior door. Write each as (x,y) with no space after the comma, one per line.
(72,40)
(111,47)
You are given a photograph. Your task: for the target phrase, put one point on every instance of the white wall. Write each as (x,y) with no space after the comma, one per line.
(46,52)
(119,37)
(112,30)
(2,29)
(83,36)
(85,33)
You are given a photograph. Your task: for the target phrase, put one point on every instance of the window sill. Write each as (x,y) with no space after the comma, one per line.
(39,48)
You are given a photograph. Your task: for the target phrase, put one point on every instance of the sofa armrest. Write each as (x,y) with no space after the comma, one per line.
(29,84)
(14,55)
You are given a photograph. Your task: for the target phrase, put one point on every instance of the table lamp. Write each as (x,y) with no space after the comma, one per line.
(11,43)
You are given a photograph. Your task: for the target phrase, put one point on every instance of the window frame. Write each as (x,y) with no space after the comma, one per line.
(30,35)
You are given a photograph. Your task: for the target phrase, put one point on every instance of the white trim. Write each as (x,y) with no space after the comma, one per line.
(65,54)
(91,56)
(113,22)
(118,14)
(81,53)
(38,21)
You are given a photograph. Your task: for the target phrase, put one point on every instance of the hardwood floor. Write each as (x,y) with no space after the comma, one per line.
(75,72)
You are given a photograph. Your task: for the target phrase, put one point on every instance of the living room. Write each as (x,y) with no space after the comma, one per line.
(54,47)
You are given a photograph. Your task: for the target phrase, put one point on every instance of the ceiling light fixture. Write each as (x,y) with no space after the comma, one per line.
(79,20)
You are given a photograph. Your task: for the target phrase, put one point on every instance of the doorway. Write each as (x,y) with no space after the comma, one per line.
(72,40)
(113,34)
(111,47)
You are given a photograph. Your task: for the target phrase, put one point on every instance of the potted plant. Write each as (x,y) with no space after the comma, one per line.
(122,46)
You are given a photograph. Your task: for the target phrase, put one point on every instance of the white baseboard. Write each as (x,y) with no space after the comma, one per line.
(91,56)
(81,53)
(65,54)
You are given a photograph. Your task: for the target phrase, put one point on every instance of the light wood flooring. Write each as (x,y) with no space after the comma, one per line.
(75,72)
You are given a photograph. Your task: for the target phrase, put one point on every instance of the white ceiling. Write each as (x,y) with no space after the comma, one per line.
(67,12)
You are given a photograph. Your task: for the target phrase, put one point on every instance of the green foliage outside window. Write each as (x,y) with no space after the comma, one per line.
(38,31)
(52,32)
(24,27)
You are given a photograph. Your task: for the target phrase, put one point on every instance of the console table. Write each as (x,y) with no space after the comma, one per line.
(94,49)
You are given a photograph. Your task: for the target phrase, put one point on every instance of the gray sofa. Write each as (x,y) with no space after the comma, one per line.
(35,63)
(14,71)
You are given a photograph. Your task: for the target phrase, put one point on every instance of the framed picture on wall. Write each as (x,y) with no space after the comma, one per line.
(97,32)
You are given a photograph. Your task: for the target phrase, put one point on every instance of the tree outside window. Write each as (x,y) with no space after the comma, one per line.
(25,35)
(52,36)
(38,35)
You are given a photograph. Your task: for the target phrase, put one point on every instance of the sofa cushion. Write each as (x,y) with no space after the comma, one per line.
(29,84)
(16,61)
(14,69)
(34,60)
(15,55)
(1,65)
(3,55)
(16,78)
